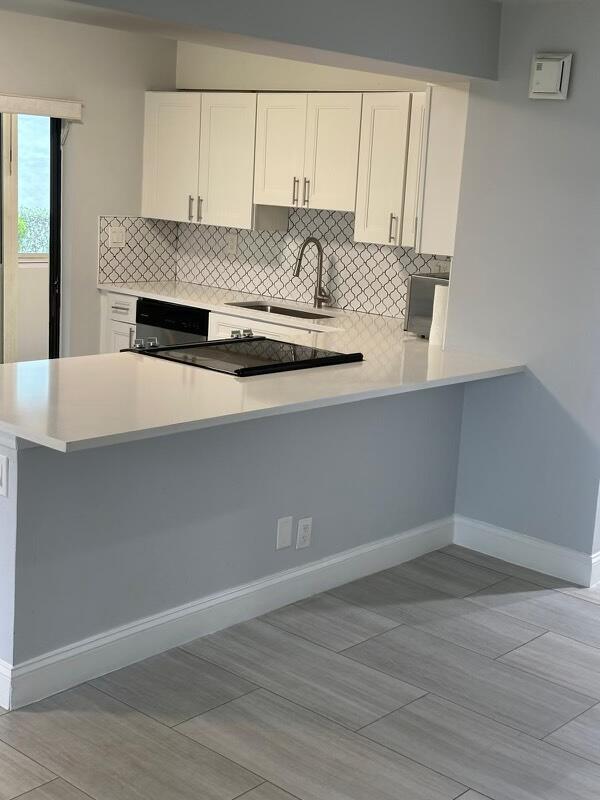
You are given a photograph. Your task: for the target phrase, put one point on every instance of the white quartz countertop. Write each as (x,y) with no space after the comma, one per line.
(73,403)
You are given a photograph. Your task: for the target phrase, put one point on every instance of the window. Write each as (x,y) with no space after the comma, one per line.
(34,185)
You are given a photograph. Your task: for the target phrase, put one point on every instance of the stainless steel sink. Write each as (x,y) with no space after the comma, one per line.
(286,312)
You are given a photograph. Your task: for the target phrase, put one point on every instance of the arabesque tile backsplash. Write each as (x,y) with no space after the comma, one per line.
(359,277)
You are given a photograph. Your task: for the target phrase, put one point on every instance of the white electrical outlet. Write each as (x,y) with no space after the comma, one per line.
(3,476)
(117,236)
(231,244)
(304,536)
(284,532)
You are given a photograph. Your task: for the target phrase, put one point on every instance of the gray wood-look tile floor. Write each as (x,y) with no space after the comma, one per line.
(454,675)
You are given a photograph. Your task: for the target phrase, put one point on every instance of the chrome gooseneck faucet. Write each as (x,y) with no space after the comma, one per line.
(322,297)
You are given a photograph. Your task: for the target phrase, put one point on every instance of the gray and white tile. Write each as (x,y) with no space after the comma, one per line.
(505,567)
(310,756)
(110,751)
(56,790)
(554,611)
(453,619)
(581,736)
(18,773)
(447,574)
(329,621)
(560,660)
(488,687)
(173,686)
(491,758)
(312,676)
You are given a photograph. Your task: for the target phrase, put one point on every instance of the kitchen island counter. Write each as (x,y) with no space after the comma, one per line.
(74,403)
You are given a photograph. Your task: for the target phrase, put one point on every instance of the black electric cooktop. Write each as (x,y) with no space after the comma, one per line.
(255,355)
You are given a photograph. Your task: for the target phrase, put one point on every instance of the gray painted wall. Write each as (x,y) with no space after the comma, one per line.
(111,535)
(526,284)
(459,36)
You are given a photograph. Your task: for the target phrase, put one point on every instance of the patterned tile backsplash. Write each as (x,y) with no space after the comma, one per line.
(359,277)
(150,252)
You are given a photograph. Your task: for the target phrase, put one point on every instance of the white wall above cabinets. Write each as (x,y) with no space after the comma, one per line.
(307,149)
(199,159)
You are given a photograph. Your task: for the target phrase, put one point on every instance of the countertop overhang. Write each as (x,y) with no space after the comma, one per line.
(89,401)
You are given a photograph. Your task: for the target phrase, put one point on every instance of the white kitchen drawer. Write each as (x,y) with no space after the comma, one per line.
(220,326)
(121,307)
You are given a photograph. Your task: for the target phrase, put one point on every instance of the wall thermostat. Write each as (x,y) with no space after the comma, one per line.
(550,73)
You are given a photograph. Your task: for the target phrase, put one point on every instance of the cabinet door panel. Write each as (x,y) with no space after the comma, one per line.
(226,173)
(414,166)
(441,173)
(171,151)
(122,335)
(280,137)
(220,326)
(331,156)
(382,167)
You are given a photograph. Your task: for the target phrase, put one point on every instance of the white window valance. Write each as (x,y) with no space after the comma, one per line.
(42,107)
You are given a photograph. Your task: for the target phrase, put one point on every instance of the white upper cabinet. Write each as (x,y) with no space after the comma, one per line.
(307,150)
(240,159)
(414,166)
(226,173)
(444,127)
(410,166)
(280,137)
(382,167)
(331,151)
(171,153)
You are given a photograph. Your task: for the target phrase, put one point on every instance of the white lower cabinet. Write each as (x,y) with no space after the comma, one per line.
(221,326)
(117,326)
(121,336)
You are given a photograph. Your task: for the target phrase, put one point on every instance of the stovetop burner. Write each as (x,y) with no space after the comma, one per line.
(254,355)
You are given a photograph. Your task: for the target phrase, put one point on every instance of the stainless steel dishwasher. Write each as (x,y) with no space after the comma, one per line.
(170,323)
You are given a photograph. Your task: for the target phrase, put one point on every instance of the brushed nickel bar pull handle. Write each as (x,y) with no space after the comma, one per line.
(199,210)
(295,190)
(190,207)
(390,237)
(305,191)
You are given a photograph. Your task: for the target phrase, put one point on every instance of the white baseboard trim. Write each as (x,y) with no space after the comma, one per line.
(87,659)
(5,676)
(595,577)
(526,551)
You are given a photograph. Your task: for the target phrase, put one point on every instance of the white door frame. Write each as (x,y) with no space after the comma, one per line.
(10,239)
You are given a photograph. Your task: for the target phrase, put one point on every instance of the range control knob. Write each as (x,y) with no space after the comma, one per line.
(247,332)
(236,334)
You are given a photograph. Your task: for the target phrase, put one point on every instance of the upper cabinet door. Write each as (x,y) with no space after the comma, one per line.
(331,154)
(171,151)
(226,174)
(414,167)
(444,131)
(382,167)
(280,138)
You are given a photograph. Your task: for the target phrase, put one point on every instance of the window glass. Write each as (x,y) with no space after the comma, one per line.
(34,183)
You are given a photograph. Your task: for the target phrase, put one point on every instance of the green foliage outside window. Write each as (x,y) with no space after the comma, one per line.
(33,230)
